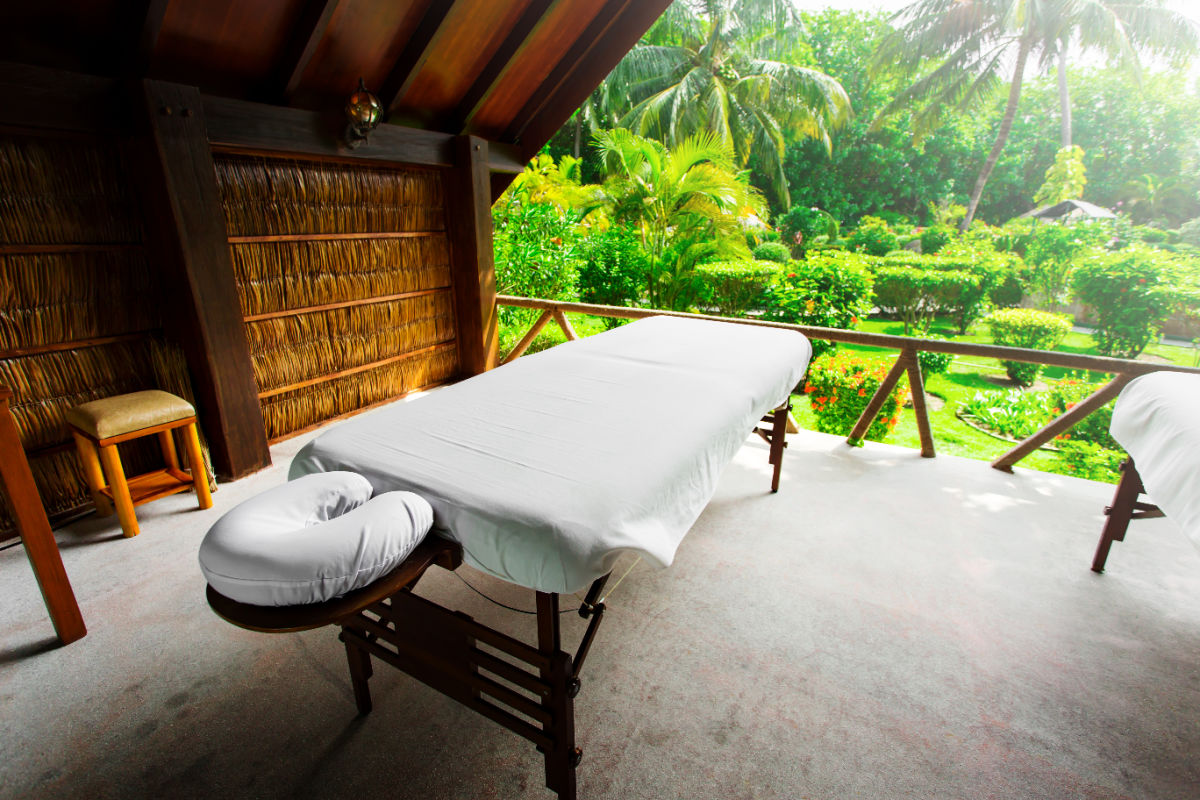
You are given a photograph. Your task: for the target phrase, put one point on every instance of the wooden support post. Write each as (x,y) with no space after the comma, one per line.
(186,237)
(1119,513)
(529,336)
(1063,423)
(34,529)
(473,272)
(917,384)
(868,416)
(561,318)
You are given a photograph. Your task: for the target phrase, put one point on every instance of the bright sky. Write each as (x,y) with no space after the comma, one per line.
(1189,7)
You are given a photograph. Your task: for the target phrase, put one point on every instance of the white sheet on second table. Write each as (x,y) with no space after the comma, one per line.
(548,468)
(1157,421)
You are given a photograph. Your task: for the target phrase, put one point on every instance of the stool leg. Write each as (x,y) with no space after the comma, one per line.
(166,443)
(196,462)
(92,473)
(111,460)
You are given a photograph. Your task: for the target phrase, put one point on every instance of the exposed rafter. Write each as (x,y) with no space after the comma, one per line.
(513,44)
(614,31)
(148,19)
(309,30)
(415,54)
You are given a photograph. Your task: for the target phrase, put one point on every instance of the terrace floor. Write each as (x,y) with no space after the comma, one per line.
(884,627)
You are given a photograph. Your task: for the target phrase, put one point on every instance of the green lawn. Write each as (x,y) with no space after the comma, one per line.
(965,376)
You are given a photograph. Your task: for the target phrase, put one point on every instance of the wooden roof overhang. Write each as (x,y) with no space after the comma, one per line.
(275,73)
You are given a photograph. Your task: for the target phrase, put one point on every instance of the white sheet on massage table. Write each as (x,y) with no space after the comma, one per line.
(548,468)
(1157,421)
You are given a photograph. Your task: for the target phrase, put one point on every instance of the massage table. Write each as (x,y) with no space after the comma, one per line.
(1157,420)
(543,472)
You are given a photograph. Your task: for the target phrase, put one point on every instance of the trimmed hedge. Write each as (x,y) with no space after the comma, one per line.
(735,287)
(840,386)
(1027,327)
(830,289)
(1133,291)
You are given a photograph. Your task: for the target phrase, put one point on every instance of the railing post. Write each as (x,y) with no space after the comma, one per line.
(917,384)
(1063,423)
(530,335)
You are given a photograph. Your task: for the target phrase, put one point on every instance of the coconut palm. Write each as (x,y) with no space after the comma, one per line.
(686,203)
(727,70)
(961,48)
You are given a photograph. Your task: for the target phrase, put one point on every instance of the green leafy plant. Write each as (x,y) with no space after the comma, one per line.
(873,236)
(829,290)
(803,227)
(614,269)
(1092,461)
(934,363)
(1053,250)
(1015,414)
(1065,179)
(537,253)
(735,287)
(915,295)
(935,237)
(1133,294)
(1027,327)
(772,251)
(840,386)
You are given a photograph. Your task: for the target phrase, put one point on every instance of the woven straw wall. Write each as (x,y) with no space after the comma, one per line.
(73,270)
(344,278)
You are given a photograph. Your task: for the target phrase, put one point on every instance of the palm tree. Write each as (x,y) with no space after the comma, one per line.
(960,48)
(686,203)
(728,71)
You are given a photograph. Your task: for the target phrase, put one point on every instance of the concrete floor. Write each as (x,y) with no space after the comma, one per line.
(884,627)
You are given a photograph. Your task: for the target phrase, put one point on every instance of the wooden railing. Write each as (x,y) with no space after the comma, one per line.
(1122,370)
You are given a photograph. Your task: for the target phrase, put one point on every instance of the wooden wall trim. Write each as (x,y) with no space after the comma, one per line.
(241,126)
(185,234)
(469,194)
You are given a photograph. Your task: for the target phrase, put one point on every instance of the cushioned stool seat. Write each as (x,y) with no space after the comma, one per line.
(99,426)
(310,540)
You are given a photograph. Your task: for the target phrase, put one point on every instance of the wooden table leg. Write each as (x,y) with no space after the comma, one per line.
(1119,514)
(34,528)
(360,675)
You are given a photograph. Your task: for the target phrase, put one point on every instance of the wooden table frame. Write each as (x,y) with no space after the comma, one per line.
(1125,507)
(528,689)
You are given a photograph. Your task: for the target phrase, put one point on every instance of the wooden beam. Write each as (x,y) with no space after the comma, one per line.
(612,34)
(415,54)
(473,272)
(146,25)
(307,34)
(30,515)
(499,64)
(259,128)
(186,236)
(51,100)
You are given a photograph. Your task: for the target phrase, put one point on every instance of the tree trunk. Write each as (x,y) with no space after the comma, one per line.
(1010,112)
(1064,95)
(578,131)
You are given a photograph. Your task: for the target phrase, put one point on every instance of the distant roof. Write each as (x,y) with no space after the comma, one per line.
(1071,209)
(511,71)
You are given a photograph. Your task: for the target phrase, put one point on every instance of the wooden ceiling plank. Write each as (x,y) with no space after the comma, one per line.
(535,14)
(420,46)
(147,23)
(612,34)
(313,22)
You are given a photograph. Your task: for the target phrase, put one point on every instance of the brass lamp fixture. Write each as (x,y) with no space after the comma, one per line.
(364,112)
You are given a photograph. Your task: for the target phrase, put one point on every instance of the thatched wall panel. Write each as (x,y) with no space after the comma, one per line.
(282,196)
(48,298)
(391,224)
(292,349)
(54,192)
(273,276)
(303,408)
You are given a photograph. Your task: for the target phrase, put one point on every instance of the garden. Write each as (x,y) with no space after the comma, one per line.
(642,202)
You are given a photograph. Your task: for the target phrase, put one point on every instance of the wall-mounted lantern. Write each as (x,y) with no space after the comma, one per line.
(364,112)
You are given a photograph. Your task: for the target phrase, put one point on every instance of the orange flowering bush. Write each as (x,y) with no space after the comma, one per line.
(841,385)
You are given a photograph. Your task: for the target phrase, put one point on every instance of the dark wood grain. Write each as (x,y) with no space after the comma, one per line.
(306,35)
(34,529)
(416,52)
(473,273)
(186,236)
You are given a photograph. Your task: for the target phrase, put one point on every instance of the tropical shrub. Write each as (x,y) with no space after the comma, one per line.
(1092,461)
(1132,293)
(964,300)
(772,251)
(916,295)
(934,363)
(613,270)
(1014,413)
(1064,395)
(831,289)
(1053,250)
(873,236)
(935,237)
(1027,327)
(802,226)
(840,387)
(537,253)
(1189,232)
(735,287)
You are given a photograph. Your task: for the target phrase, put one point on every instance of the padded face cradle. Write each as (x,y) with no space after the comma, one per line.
(311,540)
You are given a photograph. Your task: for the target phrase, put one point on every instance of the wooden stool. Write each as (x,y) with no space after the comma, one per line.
(99,426)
